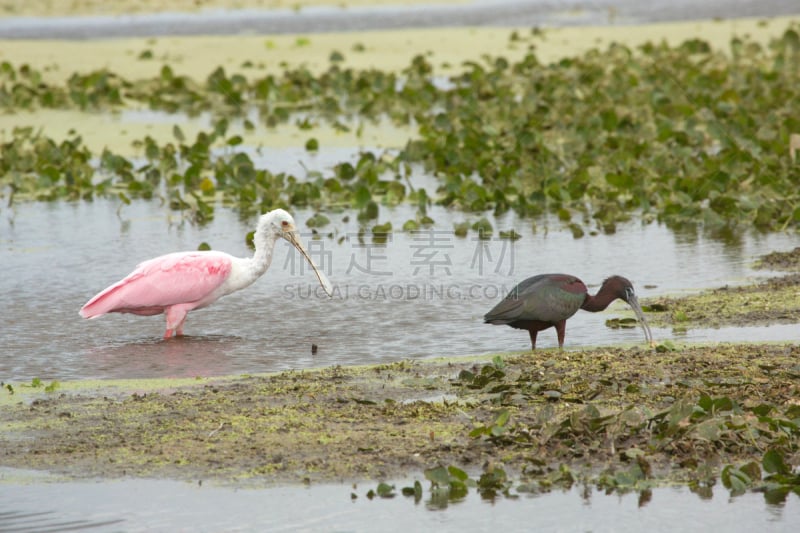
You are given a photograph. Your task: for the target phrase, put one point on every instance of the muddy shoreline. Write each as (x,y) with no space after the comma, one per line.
(389,421)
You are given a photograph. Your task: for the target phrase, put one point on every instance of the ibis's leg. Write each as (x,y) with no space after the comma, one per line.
(561,329)
(533,333)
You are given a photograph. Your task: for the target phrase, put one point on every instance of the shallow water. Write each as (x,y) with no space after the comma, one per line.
(502,13)
(159,505)
(417,295)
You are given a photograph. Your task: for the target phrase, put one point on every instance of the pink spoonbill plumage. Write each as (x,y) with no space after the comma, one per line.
(177,283)
(548,300)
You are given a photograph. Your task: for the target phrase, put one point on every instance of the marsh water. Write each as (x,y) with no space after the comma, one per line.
(160,505)
(416,295)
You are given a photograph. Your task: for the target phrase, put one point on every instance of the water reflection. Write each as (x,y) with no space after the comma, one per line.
(201,356)
(138,505)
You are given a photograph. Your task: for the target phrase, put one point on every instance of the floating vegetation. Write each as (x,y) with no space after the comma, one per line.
(772,476)
(684,135)
(484,228)
(318,220)
(510,235)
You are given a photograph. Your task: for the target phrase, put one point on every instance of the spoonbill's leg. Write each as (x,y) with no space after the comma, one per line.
(179,329)
(176,316)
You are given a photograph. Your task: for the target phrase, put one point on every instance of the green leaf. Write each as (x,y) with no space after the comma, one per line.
(484,228)
(774,464)
(620,181)
(438,476)
(705,402)
(502,418)
(318,220)
(410,225)
(457,473)
(735,480)
(763,409)
(379,229)
(724,404)
(752,470)
(362,197)
(312,145)
(385,490)
(370,211)
(458,490)
(479,432)
(511,235)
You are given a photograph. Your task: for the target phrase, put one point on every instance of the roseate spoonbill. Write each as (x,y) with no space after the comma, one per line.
(548,300)
(179,282)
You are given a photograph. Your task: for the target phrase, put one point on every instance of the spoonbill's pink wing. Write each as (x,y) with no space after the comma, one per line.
(177,278)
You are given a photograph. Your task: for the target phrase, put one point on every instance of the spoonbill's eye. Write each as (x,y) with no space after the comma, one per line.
(284,223)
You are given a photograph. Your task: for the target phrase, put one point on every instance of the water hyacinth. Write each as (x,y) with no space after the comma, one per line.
(684,135)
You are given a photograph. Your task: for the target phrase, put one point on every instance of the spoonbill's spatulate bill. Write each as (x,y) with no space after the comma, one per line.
(179,282)
(548,300)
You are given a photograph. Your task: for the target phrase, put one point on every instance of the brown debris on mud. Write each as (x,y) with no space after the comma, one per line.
(783,261)
(592,411)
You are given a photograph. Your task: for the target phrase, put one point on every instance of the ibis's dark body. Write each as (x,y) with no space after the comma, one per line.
(548,300)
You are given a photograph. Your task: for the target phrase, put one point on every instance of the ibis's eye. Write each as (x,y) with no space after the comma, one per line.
(629,292)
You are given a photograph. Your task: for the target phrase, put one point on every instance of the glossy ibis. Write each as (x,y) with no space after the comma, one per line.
(548,300)
(179,282)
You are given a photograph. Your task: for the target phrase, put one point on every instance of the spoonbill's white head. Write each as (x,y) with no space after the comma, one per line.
(279,222)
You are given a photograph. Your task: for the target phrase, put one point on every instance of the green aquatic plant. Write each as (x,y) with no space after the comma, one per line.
(684,135)
(318,220)
(383,490)
(33,166)
(773,476)
(448,483)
